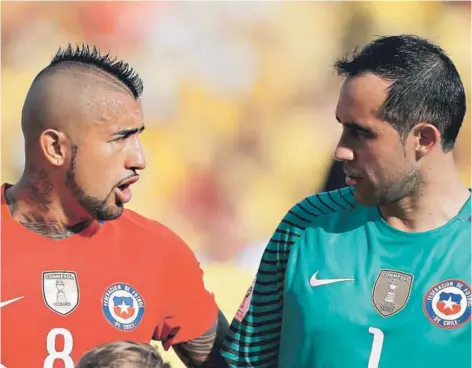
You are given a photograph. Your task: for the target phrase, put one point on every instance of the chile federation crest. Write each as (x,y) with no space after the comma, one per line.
(123,306)
(448,304)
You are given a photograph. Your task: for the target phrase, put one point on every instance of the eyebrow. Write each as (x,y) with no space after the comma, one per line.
(356,126)
(128,132)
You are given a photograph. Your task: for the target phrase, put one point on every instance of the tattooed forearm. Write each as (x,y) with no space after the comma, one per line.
(194,353)
(204,350)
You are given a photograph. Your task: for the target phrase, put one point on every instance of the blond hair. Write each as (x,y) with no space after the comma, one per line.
(122,354)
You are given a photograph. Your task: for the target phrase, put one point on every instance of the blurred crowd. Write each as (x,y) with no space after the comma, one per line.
(239,101)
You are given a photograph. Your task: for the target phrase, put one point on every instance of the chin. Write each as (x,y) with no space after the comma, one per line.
(109,213)
(365,197)
(118,211)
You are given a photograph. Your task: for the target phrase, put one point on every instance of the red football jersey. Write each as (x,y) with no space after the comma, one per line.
(127,279)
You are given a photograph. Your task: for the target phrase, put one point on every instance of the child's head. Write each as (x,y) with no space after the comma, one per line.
(122,354)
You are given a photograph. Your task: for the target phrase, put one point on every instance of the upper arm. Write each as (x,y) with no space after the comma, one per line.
(190,310)
(254,336)
(255,333)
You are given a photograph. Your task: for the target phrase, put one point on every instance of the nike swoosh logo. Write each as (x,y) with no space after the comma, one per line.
(2,304)
(315,281)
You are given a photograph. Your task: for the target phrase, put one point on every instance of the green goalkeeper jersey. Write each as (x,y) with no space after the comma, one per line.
(337,287)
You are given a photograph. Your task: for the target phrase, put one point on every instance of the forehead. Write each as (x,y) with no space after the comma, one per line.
(361,97)
(115,110)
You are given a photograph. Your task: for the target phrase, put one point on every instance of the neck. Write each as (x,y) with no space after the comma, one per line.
(440,198)
(33,203)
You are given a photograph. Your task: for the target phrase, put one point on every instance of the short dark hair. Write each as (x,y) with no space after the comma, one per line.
(90,55)
(426,86)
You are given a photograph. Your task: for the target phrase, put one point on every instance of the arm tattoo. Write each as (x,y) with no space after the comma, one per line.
(203,351)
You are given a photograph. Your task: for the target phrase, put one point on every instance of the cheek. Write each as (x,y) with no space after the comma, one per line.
(369,156)
(381,162)
(93,169)
(393,164)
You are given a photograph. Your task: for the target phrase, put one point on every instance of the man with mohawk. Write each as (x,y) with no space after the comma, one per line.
(121,276)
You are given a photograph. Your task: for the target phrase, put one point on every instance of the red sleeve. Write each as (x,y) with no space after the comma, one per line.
(190,308)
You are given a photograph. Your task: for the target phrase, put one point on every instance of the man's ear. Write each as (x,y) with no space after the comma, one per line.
(54,145)
(426,138)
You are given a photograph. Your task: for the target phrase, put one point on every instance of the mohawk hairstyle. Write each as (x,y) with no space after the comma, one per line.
(85,54)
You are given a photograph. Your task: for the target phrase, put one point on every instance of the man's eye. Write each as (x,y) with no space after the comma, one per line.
(352,131)
(121,138)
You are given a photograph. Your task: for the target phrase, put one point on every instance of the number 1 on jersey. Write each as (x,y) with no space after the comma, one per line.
(376,350)
(64,354)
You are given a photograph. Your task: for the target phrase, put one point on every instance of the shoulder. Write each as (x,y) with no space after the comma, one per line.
(333,210)
(152,232)
(134,221)
(321,208)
